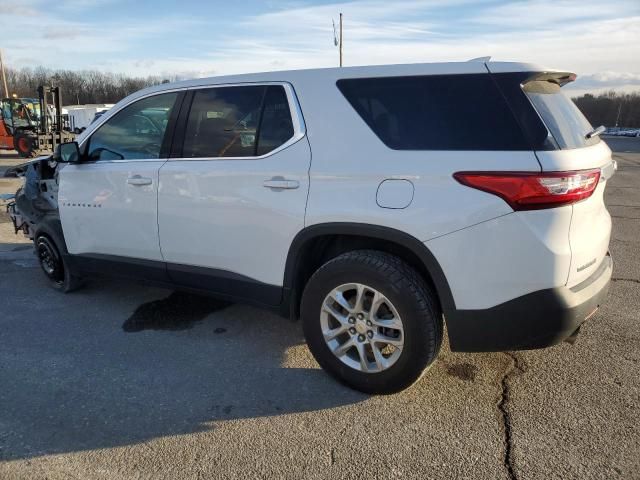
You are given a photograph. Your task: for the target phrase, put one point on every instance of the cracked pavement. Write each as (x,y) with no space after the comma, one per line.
(99,384)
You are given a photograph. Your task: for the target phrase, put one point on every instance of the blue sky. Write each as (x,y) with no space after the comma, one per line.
(599,41)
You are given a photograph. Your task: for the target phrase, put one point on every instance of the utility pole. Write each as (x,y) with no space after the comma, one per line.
(337,39)
(4,76)
(619,109)
(340,42)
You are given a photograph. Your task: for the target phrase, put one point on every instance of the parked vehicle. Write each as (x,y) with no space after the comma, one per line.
(623,132)
(372,202)
(98,115)
(81,116)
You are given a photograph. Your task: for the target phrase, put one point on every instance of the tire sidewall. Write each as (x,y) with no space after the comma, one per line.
(420,333)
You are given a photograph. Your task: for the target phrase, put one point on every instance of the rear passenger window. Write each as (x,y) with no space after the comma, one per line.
(276,126)
(237,122)
(439,112)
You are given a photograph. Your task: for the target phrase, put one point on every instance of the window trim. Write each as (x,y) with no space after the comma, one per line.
(297,119)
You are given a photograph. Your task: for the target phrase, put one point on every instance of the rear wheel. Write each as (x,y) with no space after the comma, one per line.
(54,267)
(25,145)
(371,321)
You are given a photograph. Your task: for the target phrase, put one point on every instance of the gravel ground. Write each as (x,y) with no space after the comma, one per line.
(117,381)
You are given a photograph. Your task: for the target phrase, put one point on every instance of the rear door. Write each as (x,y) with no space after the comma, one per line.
(234,197)
(108,202)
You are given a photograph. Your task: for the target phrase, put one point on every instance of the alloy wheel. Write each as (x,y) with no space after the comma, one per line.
(362,328)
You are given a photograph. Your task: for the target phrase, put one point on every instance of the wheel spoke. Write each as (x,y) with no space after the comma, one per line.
(376,301)
(381,362)
(394,323)
(396,342)
(364,363)
(360,290)
(342,349)
(339,316)
(334,332)
(338,296)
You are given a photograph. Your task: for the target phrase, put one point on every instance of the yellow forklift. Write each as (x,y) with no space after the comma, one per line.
(33,126)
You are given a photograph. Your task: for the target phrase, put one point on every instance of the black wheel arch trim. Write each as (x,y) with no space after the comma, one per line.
(51,226)
(378,232)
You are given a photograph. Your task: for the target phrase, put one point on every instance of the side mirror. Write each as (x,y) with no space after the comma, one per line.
(67,153)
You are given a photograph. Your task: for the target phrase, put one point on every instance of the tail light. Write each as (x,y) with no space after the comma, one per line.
(533,191)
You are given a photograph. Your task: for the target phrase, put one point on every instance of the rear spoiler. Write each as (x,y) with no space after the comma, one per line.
(559,78)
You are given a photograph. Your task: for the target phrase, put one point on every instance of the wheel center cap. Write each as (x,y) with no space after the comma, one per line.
(361,327)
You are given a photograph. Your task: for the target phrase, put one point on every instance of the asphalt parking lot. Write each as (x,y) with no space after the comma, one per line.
(123,381)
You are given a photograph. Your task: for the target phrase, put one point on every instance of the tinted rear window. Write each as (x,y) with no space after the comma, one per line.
(561,116)
(244,121)
(439,112)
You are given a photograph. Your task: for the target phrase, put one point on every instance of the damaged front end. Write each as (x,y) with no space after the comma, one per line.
(37,198)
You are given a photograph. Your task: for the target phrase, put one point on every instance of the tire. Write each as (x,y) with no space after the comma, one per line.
(24,145)
(408,304)
(54,266)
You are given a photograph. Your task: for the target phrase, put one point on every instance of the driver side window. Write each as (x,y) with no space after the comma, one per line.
(135,132)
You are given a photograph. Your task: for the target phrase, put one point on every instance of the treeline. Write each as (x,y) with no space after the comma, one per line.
(78,87)
(611,109)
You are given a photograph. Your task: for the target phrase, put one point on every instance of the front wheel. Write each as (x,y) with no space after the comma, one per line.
(54,267)
(371,321)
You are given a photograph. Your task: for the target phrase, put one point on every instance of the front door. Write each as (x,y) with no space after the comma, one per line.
(233,201)
(108,201)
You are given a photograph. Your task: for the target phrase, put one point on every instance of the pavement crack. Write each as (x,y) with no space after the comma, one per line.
(632,280)
(624,217)
(503,405)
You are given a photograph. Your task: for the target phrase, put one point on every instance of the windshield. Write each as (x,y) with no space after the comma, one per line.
(564,120)
(34,109)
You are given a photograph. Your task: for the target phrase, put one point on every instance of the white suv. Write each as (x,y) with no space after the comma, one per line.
(372,202)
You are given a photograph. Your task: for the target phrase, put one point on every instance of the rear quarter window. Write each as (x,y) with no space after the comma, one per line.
(565,121)
(438,112)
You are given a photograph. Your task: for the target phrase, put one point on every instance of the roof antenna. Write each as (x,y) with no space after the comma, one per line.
(480,59)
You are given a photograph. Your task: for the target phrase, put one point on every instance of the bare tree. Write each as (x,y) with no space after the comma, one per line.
(611,108)
(78,87)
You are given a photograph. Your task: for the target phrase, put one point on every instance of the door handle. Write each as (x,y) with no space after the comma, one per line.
(280,183)
(137,180)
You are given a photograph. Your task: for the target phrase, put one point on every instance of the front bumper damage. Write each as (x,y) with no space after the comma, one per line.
(37,198)
(20,223)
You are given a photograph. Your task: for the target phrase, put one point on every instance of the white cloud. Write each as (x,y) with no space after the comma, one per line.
(551,14)
(605,81)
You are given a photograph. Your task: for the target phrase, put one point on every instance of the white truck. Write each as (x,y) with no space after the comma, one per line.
(80,116)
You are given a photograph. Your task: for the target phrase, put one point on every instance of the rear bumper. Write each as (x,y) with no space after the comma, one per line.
(535,320)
